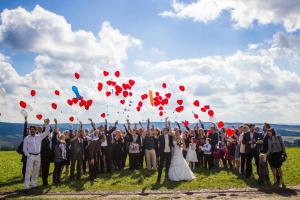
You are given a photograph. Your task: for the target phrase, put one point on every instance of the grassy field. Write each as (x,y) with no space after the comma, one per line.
(10,178)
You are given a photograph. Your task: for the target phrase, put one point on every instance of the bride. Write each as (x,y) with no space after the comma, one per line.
(179,169)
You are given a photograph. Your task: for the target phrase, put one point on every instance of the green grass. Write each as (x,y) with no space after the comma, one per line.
(10,178)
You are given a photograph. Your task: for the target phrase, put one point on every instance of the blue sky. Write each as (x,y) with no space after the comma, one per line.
(241,57)
(179,38)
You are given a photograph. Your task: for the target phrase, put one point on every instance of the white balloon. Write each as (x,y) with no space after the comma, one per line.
(23,113)
(2,92)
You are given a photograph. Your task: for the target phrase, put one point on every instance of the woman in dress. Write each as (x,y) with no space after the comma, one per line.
(179,168)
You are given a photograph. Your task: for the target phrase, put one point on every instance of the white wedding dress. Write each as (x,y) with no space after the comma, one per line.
(179,169)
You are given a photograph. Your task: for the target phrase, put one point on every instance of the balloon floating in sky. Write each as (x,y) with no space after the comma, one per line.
(22,104)
(77,75)
(75,90)
(33,93)
(39,116)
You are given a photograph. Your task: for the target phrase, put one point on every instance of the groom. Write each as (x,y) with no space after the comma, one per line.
(165,146)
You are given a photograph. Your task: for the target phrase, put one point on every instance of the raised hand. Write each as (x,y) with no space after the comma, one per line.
(55,120)
(46,121)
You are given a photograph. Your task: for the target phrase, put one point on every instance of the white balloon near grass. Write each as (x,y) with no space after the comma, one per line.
(213,120)
(23,113)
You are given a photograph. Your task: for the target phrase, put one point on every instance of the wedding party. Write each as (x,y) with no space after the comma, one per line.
(153,99)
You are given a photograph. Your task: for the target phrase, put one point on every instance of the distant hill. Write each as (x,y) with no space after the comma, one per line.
(11,133)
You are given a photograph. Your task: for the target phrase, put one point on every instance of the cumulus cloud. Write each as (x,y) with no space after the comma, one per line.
(243,13)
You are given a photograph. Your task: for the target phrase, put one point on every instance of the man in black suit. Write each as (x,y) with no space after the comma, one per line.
(251,149)
(165,142)
(106,147)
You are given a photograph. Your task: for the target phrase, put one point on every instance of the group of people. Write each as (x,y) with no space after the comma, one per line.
(105,149)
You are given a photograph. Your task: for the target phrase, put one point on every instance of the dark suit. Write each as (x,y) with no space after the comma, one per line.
(251,152)
(46,157)
(107,150)
(76,157)
(164,156)
(92,150)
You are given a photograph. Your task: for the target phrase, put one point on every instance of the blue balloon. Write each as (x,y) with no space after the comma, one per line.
(75,90)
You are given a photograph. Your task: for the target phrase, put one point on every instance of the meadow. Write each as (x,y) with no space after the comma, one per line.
(142,180)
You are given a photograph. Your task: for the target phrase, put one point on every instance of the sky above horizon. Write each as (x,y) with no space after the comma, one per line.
(239,57)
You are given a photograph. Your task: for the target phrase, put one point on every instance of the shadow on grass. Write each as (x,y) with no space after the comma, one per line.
(12,181)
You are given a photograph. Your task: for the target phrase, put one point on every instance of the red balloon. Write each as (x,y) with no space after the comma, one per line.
(211,113)
(70,102)
(103,115)
(122,101)
(125,94)
(77,75)
(220,124)
(130,94)
(196,103)
(23,104)
(179,102)
(140,104)
(181,88)
(164,85)
(209,132)
(118,89)
(87,107)
(108,93)
(165,101)
(56,92)
(105,73)
(203,109)
(168,95)
(89,102)
(230,132)
(131,82)
(33,93)
(207,107)
(160,108)
(186,123)
(75,100)
(161,113)
(138,109)
(179,108)
(157,94)
(117,74)
(39,116)
(196,116)
(54,106)
(100,86)
(71,119)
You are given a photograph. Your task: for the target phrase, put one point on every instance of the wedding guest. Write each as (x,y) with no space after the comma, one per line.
(191,156)
(149,144)
(46,155)
(76,153)
(20,148)
(249,139)
(134,147)
(200,154)
(32,149)
(207,154)
(217,155)
(60,154)
(276,156)
(119,149)
(244,129)
(66,162)
(93,149)
(263,171)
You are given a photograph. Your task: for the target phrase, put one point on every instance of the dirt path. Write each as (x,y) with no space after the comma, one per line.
(247,193)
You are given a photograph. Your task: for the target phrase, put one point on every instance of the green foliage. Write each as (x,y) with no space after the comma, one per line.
(10,178)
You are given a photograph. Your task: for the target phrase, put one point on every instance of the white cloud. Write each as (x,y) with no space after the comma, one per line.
(243,13)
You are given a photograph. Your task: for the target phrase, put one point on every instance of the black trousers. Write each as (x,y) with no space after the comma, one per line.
(134,161)
(92,168)
(164,158)
(57,172)
(249,156)
(24,160)
(243,162)
(105,157)
(124,159)
(208,161)
(200,156)
(141,158)
(76,160)
(45,165)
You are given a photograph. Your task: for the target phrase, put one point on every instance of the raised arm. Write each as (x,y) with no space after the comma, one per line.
(148,124)
(166,122)
(186,127)
(179,128)
(47,129)
(113,128)
(128,124)
(92,124)
(202,125)
(25,127)
(140,123)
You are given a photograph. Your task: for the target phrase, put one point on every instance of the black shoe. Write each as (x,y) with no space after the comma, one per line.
(26,191)
(45,184)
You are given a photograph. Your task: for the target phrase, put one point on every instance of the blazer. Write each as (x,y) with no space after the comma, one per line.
(246,140)
(161,142)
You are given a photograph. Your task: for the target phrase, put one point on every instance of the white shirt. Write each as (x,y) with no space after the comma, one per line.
(242,146)
(251,137)
(32,144)
(206,149)
(167,146)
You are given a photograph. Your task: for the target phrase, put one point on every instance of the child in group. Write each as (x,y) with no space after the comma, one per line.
(217,155)
(263,171)
(191,156)
(207,154)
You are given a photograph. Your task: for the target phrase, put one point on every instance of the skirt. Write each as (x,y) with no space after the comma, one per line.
(191,156)
(275,160)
